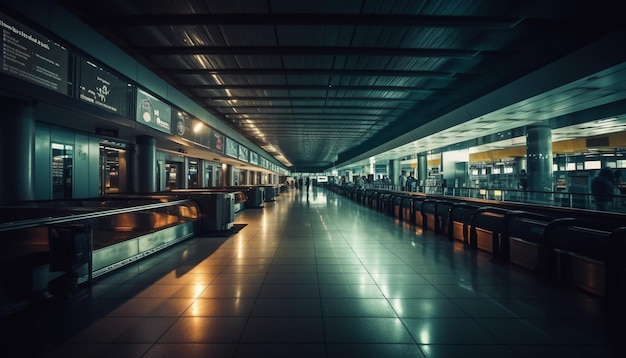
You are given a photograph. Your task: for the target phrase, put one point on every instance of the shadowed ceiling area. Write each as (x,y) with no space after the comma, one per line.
(316,83)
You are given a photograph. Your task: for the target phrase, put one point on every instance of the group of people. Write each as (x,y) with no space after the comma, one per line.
(301,183)
(407,182)
(604,186)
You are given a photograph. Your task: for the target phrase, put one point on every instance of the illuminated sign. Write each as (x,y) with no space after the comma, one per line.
(32,57)
(153,112)
(102,89)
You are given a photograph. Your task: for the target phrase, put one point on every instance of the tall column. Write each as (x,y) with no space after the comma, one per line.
(394,171)
(17,150)
(422,171)
(144,165)
(539,157)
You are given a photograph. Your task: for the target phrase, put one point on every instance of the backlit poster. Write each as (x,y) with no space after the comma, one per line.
(232,148)
(216,141)
(102,89)
(32,57)
(254,158)
(243,153)
(153,112)
(197,131)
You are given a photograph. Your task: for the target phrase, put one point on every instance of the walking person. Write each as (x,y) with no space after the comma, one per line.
(403,181)
(523,183)
(602,189)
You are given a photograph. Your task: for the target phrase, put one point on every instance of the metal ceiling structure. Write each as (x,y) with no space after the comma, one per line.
(330,82)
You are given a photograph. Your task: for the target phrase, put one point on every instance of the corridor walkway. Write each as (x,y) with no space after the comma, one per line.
(316,275)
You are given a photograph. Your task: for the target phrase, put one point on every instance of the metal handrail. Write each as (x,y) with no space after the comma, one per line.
(22,224)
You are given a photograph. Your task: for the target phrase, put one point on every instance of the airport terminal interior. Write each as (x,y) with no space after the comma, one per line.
(315,274)
(287,178)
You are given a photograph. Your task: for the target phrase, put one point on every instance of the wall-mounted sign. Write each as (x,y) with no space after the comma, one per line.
(243,153)
(153,112)
(107,132)
(102,89)
(216,141)
(232,148)
(32,57)
(254,158)
(197,131)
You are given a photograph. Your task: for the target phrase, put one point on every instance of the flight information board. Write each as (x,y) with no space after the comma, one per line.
(32,57)
(102,89)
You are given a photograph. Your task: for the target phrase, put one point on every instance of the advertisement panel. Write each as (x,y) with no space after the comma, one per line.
(197,131)
(243,153)
(153,112)
(101,88)
(254,158)
(32,57)
(232,148)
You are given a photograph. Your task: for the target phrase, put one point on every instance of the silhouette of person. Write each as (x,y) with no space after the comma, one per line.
(602,189)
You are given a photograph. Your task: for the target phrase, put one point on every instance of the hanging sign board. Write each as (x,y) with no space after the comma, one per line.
(153,112)
(32,57)
(102,89)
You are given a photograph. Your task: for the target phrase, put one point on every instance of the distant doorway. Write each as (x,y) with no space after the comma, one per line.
(62,156)
(171,175)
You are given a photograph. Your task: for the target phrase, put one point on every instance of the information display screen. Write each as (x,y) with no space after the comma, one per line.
(232,148)
(197,131)
(243,153)
(254,158)
(102,89)
(217,141)
(32,57)
(153,112)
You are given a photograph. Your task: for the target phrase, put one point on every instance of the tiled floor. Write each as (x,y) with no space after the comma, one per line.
(315,275)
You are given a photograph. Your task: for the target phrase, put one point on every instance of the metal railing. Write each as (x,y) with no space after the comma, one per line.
(547,198)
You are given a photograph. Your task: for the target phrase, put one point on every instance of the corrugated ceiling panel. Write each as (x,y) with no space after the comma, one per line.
(314,35)
(316,7)
(249,35)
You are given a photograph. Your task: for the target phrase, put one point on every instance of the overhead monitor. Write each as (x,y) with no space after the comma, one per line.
(30,56)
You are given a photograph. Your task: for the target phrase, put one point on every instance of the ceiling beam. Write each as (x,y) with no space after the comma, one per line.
(302,51)
(308,71)
(429,21)
(296,98)
(420,89)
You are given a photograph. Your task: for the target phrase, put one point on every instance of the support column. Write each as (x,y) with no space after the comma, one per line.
(17,150)
(422,171)
(394,171)
(539,157)
(144,165)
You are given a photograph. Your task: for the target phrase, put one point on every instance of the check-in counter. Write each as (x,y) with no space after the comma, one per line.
(406,206)
(429,210)
(56,244)
(397,206)
(252,196)
(255,197)
(576,254)
(485,230)
(418,215)
(386,203)
(459,222)
(270,192)
(523,237)
(218,207)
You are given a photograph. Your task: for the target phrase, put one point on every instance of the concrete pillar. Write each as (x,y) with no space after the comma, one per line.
(422,171)
(394,171)
(143,173)
(539,157)
(17,150)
